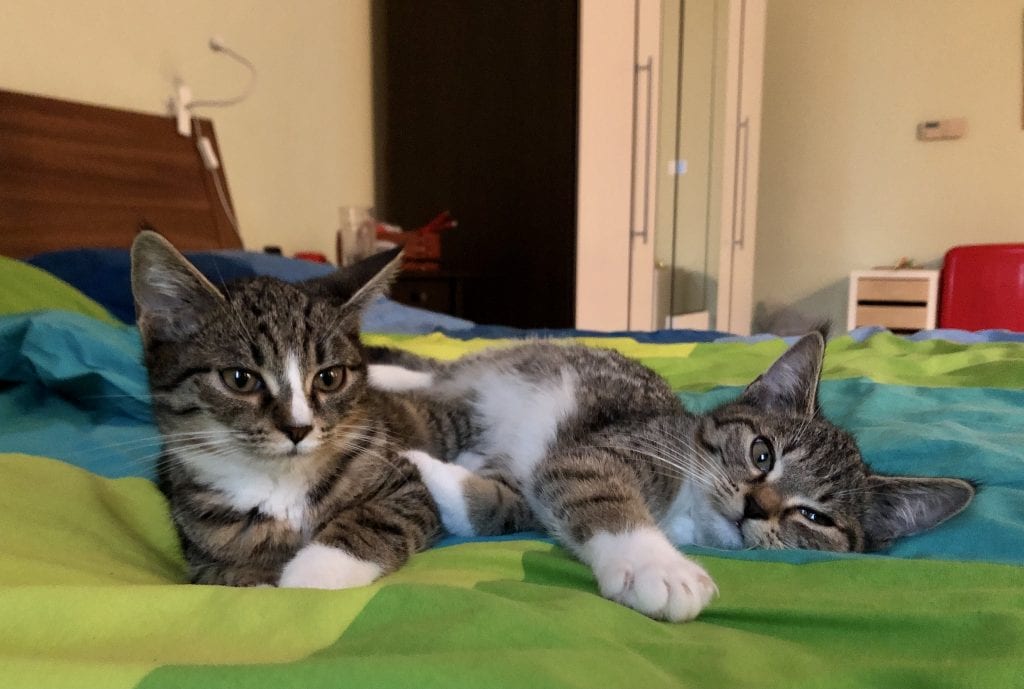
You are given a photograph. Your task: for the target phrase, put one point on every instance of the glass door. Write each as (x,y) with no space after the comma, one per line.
(709,123)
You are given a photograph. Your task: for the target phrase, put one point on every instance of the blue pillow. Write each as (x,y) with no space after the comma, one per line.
(105,276)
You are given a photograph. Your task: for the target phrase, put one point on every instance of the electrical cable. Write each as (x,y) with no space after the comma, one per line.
(221,194)
(217,45)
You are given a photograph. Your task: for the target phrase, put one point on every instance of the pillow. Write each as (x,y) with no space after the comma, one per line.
(25,288)
(104,275)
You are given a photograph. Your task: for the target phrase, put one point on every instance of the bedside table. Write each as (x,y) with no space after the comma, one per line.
(903,301)
(440,291)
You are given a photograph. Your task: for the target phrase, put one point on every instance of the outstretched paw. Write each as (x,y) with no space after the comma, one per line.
(318,566)
(642,570)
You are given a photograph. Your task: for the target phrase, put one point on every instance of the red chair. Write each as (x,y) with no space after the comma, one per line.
(983,287)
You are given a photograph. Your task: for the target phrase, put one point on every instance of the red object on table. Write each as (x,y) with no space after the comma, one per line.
(422,245)
(313,256)
(983,287)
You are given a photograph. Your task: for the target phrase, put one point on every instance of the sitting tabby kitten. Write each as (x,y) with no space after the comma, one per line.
(597,450)
(280,463)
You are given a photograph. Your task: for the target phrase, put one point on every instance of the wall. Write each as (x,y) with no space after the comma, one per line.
(844,184)
(298,148)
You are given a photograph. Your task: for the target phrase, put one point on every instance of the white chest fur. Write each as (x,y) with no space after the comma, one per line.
(691,520)
(278,492)
(522,417)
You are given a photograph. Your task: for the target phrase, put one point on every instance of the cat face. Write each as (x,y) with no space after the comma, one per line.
(264,369)
(791,479)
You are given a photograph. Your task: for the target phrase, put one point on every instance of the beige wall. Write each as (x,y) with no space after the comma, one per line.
(300,146)
(844,184)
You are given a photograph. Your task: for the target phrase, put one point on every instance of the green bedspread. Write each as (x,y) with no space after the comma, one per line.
(91,577)
(92,595)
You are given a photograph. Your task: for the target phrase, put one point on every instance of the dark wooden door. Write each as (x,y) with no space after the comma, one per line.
(475,113)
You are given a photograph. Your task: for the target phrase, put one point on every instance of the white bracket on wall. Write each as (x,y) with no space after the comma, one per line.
(180,101)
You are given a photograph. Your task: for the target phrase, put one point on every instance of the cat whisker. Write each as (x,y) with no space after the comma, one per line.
(713,472)
(677,461)
(141,395)
(702,456)
(148,440)
(685,471)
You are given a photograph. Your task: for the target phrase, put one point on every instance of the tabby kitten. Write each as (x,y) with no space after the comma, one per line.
(280,463)
(596,449)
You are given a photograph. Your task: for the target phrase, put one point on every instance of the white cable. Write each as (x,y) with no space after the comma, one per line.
(217,46)
(197,127)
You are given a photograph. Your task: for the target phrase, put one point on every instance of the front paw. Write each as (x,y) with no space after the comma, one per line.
(318,566)
(642,570)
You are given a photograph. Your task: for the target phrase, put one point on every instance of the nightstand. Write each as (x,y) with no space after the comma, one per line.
(903,301)
(440,291)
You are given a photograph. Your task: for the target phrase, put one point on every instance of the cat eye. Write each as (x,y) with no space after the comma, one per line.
(330,379)
(762,455)
(241,380)
(816,517)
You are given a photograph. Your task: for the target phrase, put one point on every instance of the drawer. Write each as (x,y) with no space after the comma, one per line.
(432,294)
(893,317)
(882,289)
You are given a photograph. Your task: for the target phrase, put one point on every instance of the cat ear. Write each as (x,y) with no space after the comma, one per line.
(791,384)
(354,287)
(903,505)
(171,295)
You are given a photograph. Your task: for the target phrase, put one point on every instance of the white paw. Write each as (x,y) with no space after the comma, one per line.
(642,570)
(318,566)
(444,481)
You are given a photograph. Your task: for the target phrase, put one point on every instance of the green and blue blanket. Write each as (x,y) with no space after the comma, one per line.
(92,590)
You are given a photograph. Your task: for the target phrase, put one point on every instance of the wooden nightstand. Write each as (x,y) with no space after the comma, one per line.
(903,301)
(440,291)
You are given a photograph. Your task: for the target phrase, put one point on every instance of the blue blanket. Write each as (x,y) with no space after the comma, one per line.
(73,388)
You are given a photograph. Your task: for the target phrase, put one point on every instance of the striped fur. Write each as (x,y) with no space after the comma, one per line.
(597,450)
(290,476)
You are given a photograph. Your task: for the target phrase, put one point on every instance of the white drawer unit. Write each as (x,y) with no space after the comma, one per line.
(903,300)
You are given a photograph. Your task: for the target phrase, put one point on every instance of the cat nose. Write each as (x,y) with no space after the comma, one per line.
(296,433)
(752,508)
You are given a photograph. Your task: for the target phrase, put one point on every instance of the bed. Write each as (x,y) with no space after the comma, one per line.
(93,589)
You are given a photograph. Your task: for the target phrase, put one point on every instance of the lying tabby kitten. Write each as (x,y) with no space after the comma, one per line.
(280,463)
(597,450)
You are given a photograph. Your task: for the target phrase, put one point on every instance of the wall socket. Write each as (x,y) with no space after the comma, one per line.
(939,130)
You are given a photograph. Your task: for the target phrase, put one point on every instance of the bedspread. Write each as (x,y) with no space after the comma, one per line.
(92,582)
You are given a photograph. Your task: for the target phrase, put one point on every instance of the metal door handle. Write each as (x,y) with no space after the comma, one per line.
(744,127)
(643,233)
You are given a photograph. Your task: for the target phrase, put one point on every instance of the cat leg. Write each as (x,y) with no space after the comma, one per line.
(592,501)
(369,539)
(489,503)
(231,574)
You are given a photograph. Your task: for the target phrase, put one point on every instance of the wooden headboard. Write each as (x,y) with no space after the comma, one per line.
(75,175)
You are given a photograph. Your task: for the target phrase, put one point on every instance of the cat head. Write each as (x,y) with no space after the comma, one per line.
(792,479)
(260,368)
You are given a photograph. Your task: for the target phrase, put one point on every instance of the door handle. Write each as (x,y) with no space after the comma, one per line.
(742,127)
(643,232)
